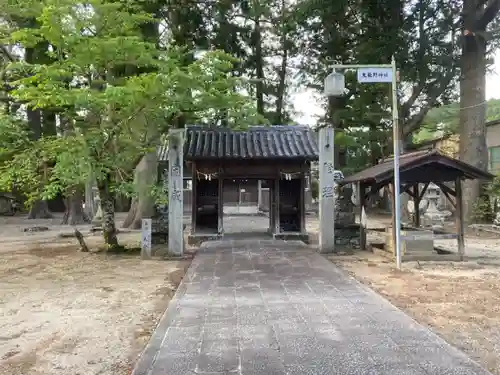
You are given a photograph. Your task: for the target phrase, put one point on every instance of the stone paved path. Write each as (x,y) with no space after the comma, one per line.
(265,308)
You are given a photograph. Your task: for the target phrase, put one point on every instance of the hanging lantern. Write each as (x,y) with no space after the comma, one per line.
(334,84)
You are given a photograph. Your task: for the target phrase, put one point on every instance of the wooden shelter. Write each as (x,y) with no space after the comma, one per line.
(280,155)
(417,168)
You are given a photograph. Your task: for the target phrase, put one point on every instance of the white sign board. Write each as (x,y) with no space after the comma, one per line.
(375,75)
(146,238)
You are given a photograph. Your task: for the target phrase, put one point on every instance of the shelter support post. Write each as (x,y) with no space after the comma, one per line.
(362,215)
(448,193)
(416,205)
(459,217)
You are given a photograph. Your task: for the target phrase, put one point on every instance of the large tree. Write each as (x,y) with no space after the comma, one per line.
(110,115)
(416,33)
(477,16)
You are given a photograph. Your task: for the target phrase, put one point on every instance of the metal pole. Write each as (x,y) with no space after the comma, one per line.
(395,137)
(396,146)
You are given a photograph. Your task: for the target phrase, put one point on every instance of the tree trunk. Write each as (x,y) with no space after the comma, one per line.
(405,144)
(145,177)
(108,212)
(259,61)
(89,197)
(49,123)
(473,115)
(122,203)
(375,148)
(75,215)
(40,210)
(280,99)
(132,212)
(340,156)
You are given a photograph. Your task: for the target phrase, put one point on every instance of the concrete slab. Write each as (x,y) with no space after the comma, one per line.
(268,307)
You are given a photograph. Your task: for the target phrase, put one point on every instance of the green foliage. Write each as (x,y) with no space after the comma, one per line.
(445,120)
(494,192)
(280,47)
(17,172)
(482,211)
(14,137)
(368,32)
(494,187)
(159,195)
(106,120)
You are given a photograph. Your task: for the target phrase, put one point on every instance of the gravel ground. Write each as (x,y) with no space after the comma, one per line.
(460,301)
(70,313)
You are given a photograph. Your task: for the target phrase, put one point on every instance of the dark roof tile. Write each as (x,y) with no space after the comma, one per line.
(256,142)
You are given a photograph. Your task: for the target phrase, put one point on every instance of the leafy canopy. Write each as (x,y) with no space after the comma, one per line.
(113,92)
(445,120)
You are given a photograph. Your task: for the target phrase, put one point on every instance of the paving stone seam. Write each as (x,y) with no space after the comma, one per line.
(268,310)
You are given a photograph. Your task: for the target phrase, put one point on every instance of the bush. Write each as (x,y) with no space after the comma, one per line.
(486,206)
(482,211)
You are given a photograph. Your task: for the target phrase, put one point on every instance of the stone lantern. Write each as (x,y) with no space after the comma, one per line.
(433,216)
(334,84)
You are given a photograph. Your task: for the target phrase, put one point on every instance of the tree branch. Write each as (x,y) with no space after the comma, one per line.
(415,93)
(414,121)
(7,54)
(487,15)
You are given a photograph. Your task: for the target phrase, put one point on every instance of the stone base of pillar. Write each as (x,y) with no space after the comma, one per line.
(198,239)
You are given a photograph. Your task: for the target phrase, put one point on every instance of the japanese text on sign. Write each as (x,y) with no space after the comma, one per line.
(330,169)
(176,170)
(146,237)
(176,195)
(373,75)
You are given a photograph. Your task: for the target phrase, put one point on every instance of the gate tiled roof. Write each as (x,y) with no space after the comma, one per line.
(272,142)
(254,143)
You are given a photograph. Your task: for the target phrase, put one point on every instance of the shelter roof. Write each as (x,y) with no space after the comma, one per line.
(421,166)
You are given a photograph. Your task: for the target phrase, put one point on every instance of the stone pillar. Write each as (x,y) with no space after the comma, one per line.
(326,190)
(175,192)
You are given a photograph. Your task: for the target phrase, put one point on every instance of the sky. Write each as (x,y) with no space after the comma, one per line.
(308,106)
